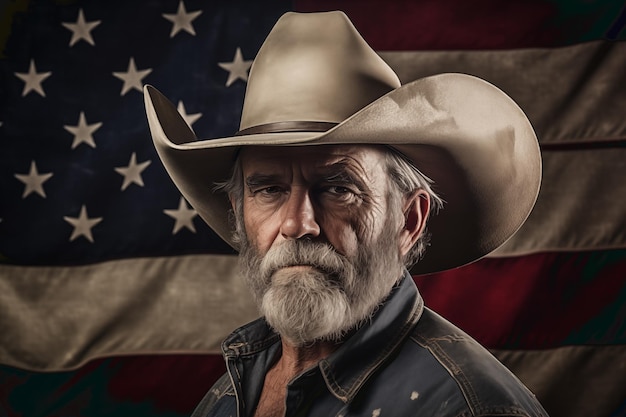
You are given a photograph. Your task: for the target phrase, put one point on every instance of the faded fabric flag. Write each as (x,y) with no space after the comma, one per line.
(115,296)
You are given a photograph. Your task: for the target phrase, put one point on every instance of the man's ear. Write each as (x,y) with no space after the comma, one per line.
(415,209)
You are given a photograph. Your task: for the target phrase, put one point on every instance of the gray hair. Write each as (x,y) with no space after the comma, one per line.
(405,177)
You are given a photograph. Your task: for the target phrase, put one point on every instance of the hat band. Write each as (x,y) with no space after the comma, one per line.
(288,126)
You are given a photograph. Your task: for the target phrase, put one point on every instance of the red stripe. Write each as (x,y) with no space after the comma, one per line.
(173,382)
(479,24)
(153,385)
(537,301)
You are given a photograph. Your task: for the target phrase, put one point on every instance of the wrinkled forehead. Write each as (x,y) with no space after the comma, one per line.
(368,159)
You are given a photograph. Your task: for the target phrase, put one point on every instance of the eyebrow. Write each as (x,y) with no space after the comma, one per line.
(340,177)
(256,180)
(339,172)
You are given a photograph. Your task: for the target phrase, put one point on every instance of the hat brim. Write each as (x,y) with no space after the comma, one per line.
(464,133)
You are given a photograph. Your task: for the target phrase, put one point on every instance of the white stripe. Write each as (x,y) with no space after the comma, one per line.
(60,317)
(573,381)
(574,93)
(581,204)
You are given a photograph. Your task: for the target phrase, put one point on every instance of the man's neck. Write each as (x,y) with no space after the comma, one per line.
(293,361)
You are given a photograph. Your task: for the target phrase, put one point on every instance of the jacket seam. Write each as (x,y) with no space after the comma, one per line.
(453,369)
(471,398)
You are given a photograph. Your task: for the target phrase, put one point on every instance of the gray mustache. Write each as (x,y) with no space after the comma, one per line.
(302,252)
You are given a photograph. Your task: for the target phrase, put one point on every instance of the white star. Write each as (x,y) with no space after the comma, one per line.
(132,78)
(189,118)
(132,173)
(81,29)
(238,68)
(33,181)
(376,413)
(83,133)
(182,20)
(414,395)
(33,79)
(82,224)
(183,215)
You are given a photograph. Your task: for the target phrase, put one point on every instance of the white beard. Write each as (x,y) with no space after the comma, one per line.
(309,292)
(304,306)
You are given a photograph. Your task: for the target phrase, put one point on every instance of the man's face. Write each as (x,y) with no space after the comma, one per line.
(319,236)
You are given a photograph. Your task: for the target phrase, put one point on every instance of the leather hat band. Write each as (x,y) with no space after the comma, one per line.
(288,126)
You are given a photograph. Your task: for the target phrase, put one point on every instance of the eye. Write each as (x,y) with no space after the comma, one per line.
(338,190)
(339,193)
(274,189)
(268,194)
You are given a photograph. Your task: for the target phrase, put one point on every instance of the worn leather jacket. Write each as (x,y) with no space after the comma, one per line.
(406,361)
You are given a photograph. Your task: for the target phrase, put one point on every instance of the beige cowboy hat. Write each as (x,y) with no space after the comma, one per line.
(316,81)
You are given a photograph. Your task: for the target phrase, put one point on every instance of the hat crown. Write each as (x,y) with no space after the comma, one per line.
(314,67)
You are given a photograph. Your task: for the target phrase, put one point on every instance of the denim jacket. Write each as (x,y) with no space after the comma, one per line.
(406,361)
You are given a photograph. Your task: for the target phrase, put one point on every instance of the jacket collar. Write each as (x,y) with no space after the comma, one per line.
(348,368)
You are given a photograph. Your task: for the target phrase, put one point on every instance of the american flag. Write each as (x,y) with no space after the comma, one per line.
(114,295)
(81,181)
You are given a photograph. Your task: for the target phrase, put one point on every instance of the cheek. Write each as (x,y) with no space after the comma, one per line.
(347,228)
(341,233)
(261,228)
(369,224)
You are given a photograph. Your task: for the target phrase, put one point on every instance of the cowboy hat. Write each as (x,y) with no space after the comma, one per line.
(316,81)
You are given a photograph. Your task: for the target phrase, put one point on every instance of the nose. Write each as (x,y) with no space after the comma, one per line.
(299,216)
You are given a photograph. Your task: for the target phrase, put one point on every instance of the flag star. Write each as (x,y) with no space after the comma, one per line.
(33,79)
(183,215)
(237,69)
(376,413)
(82,224)
(414,395)
(132,173)
(182,20)
(33,181)
(83,133)
(132,78)
(189,118)
(81,29)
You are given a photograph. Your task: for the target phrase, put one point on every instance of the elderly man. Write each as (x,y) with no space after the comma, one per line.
(338,181)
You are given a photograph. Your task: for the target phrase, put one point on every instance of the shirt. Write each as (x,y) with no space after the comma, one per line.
(406,361)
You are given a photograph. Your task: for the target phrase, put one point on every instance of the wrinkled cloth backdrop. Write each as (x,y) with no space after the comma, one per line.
(114,296)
